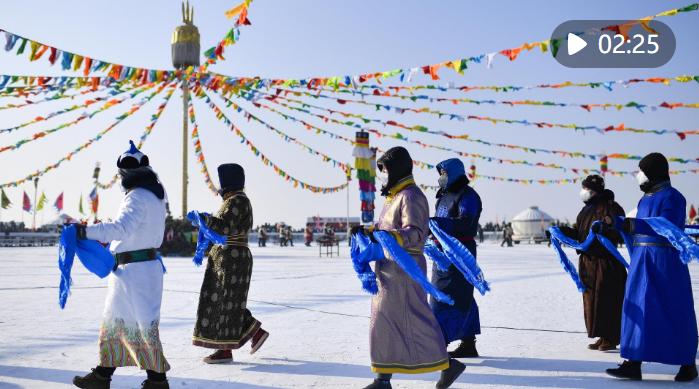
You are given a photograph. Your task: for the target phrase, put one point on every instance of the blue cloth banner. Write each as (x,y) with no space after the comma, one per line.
(433,253)
(691,230)
(363,251)
(558,239)
(205,237)
(95,257)
(408,264)
(456,253)
(687,247)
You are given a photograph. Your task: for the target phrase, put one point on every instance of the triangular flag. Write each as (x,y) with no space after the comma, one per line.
(4,200)
(42,201)
(80,205)
(26,203)
(692,212)
(58,204)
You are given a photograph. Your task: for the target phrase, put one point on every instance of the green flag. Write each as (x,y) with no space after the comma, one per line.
(80,205)
(42,201)
(4,200)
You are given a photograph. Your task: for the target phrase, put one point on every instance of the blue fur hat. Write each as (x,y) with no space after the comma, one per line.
(454,169)
(133,158)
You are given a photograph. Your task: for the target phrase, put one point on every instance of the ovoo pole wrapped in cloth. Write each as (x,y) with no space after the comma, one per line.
(364,251)
(205,237)
(454,252)
(558,238)
(95,257)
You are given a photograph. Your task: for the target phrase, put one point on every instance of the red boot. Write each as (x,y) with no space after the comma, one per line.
(258,340)
(220,356)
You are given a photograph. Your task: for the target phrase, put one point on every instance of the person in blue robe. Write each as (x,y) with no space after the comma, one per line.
(658,320)
(457,212)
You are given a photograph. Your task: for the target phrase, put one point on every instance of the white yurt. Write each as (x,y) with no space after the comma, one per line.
(530,225)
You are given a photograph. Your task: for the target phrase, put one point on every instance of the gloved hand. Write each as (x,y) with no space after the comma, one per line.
(599,227)
(357,230)
(361,230)
(627,225)
(192,215)
(80,230)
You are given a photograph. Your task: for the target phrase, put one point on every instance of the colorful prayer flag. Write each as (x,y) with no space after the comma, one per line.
(94,201)
(58,204)
(4,200)
(26,203)
(42,202)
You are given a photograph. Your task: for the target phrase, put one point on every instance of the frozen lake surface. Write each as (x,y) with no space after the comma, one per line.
(318,317)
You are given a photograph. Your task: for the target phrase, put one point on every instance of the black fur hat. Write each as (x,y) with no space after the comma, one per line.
(594,183)
(655,167)
(398,165)
(231,177)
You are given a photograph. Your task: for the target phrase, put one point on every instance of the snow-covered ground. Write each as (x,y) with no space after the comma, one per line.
(533,332)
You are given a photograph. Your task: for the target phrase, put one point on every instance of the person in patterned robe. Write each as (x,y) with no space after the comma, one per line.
(224,322)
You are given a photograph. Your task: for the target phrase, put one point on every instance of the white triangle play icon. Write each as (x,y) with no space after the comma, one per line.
(575,44)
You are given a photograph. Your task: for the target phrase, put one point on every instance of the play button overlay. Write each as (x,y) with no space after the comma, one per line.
(575,44)
(612,44)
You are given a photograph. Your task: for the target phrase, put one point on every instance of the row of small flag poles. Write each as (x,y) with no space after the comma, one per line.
(6,203)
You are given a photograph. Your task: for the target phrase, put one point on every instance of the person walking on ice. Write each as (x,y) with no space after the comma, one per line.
(602,274)
(458,210)
(404,336)
(224,322)
(129,332)
(658,320)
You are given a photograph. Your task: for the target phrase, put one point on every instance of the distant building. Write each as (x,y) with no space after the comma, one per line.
(530,225)
(338,224)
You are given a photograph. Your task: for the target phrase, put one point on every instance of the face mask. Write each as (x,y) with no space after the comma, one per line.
(641,178)
(443,181)
(382,176)
(585,195)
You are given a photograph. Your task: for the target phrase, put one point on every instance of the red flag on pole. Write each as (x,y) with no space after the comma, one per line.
(26,203)
(59,203)
(692,212)
(94,201)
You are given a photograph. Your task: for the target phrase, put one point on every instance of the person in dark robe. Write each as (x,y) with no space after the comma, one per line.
(658,319)
(224,322)
(602,274)
(458,210)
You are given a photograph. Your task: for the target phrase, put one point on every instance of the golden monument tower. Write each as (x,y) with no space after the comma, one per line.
(186,50)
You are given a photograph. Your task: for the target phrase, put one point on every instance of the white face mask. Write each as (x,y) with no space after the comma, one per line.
(641,178)
(382,176)
(585,195)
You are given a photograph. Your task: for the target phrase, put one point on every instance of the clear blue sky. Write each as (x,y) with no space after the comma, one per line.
(321,37)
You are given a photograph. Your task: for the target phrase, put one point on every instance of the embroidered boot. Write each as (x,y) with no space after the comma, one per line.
(606,345)
(220,356)
(628,369)
(450,374)
(467,349)
(92,380)
(258,340)
(595,346)
(687,373)
(379,384)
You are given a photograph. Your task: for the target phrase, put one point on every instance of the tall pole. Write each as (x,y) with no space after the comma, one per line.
(36,189)
(185,55)
(349,177)
(185,148)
